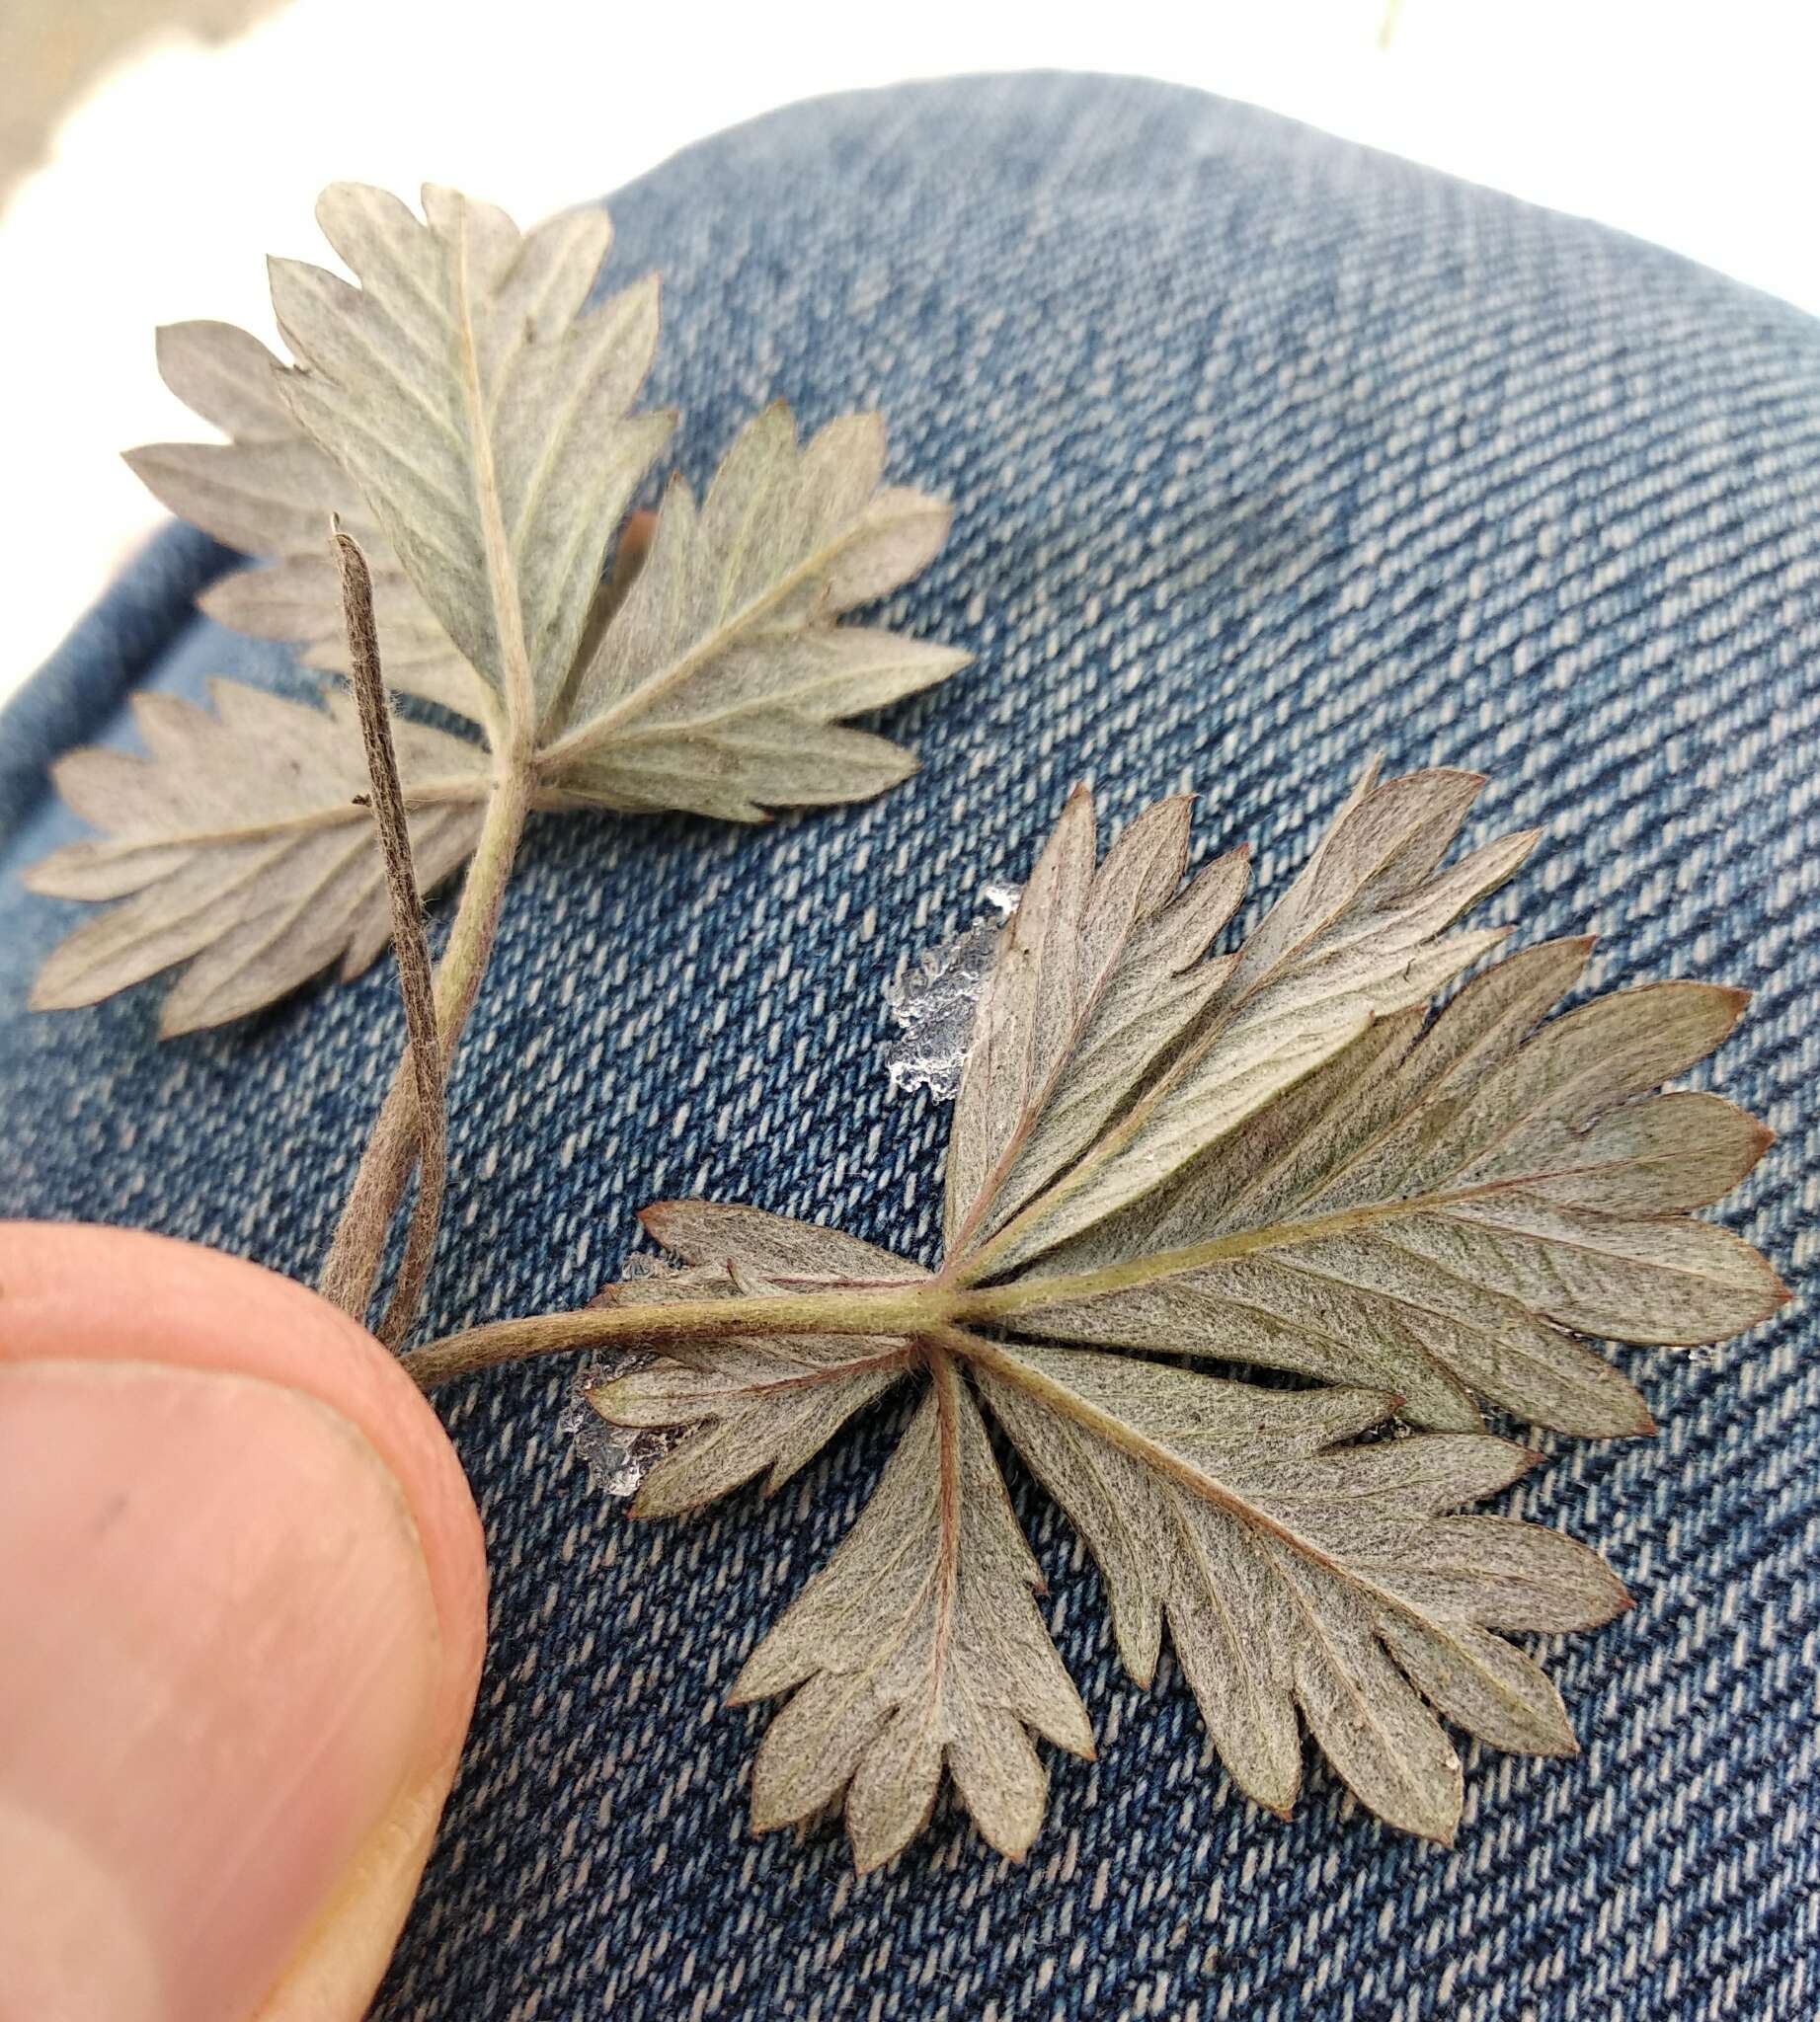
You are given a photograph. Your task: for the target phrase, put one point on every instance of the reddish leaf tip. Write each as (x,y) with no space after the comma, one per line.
(650,1216)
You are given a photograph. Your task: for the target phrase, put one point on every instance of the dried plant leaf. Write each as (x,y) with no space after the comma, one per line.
(1437,1211)
(292,600)
(240,849)
(716,683)
(1295,1573)
(1270,1157)
(227,489)
(918,1649)
(230,378)
(1273,1157)
(770,1402)
(463,415)
(481,411)
(1095,978)
(790,1253)
(716,690)
(1361,932)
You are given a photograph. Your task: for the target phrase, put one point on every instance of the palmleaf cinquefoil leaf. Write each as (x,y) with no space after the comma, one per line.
(1127,1060)
(1437,1211)
(240,846)
(464,414)
(1272,1157)
(271,492)
(764,1405)
(716,685)
(713,681)
(1292,1570)
(919,1644)
(917,1651)
(482,410)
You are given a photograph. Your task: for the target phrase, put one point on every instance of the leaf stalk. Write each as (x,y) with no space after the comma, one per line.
(935,1307)
(896,1311)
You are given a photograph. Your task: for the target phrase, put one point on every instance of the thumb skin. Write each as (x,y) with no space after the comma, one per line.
(244,1604)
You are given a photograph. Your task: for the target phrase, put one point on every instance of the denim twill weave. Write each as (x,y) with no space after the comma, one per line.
(1268,451)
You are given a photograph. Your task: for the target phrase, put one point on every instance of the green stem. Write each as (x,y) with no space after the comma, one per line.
(930,1308)
(896,1311)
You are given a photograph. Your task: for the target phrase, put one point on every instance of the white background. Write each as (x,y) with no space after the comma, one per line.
(1692,125)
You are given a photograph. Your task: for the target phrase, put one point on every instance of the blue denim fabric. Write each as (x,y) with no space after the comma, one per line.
(1268,451)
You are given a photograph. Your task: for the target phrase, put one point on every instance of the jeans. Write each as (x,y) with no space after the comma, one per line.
(1268,451)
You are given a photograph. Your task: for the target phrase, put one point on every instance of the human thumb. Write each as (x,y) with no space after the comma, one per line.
(242,1611)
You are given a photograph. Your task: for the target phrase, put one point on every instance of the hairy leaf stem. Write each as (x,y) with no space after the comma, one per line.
(932,1307)
(896,1311)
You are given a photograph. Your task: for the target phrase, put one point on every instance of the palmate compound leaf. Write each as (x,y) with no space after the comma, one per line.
(269,491)
(918,1646)
(1271,1160)
(1107,1054)
(239,848)
(481,411)
(716,686)
(1438,1211)
(770,1402)
(1310,1182)
(1296,1573)
(465,415)
(917,1651)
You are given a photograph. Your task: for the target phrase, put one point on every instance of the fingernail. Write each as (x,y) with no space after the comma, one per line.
(217,1667)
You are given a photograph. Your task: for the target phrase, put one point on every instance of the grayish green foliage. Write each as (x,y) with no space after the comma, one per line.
(1361,932)
(269,491)
(767,1402)
(241,849)
(917,1648)
(1298,1573)
(468,417)
(1273,1157)
(481,414)
(717,684)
